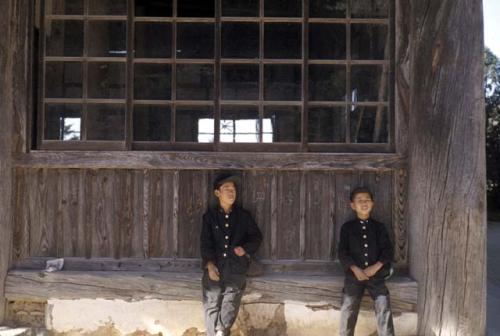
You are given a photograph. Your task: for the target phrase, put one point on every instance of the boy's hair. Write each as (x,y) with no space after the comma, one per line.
(360,190)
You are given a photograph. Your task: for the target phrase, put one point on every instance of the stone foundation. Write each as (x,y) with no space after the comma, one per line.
(99,317)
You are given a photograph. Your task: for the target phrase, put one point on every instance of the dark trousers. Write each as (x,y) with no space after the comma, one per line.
(221,300)
(353,293)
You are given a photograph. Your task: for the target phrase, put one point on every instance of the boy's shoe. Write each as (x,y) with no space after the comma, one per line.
(219,333)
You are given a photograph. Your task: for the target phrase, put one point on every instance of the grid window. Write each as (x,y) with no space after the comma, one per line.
(284,75)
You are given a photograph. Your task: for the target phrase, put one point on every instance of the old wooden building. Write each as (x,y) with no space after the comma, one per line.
(116,114)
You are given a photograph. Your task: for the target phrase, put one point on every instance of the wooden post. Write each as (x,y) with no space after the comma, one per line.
(447,215)
(15,99)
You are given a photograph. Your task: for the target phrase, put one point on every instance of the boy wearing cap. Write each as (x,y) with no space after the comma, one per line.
(229,236)
(366,253)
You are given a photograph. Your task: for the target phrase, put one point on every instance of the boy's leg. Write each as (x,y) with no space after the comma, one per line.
(234,285)
(351,300)
(212,297)
(380,295)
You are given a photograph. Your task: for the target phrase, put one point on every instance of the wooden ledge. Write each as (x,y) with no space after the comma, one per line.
(32,285)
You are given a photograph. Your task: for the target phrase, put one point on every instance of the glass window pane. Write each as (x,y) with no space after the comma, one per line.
(327,41)
(64,7)
(194,124)
(240,81)
(370,8)
(283,8)
(152,123)
(240,40)
(369,83)
(108,38)
(369,124)
(240,7)
(327,82)
(327,8)
(105,122)
(283,40)
(281,124)
(326,124)
(157,8)
(64,38)
(63,122)
(196,8)
(106,80)
(108,7)
(152,81)
(195,81)
(282,82)
(195,40)
(239,124)
(63,80)
(153,40)
(369,42)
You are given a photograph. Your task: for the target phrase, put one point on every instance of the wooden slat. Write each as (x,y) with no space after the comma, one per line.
(161,241)
(203,160)
(320,215)
(21,231)
(33,285)
(256,198)
(288,217)
(193,201)
(399,219)
(345,182)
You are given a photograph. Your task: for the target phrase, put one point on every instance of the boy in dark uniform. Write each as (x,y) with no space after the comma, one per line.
(228,237)
(366,253)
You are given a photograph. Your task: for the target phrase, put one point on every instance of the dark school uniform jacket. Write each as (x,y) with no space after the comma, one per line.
(363,243)
(222,232)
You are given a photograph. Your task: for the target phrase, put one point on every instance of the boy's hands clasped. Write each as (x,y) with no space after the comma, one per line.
(213,271)
(367,273)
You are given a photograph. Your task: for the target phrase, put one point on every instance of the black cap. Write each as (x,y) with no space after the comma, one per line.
(222,178)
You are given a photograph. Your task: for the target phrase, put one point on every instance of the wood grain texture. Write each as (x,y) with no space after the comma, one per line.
(39,286)
(446,201)
(288,215)
(208,161)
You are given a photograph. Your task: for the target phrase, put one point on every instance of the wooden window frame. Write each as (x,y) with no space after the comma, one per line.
(217,146)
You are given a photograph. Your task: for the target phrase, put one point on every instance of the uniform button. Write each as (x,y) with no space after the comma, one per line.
(366,264)
(227,237)
(366,254)
(364,227)
(225,246)
(224,255)
(227,216)
(364,236)
(227,225)
(366,245)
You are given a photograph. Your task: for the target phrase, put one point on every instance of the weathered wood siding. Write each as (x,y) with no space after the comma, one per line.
(124,213)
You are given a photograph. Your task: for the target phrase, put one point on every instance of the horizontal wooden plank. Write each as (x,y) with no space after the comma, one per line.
(204,160)
(39,286)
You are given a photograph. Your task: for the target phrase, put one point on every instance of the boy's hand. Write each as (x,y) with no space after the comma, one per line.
(358,273)
(239,251)
(213,271)
(373,269)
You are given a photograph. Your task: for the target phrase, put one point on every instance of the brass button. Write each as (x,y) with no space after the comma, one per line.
(364,227)
(364,236)
(227,216)
(224,255)
(227,225)
(366,254)
(366,264)
(225,246)
(227,237)
(366,245)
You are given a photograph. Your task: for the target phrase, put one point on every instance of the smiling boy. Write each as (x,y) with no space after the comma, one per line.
(229,236)
(366,253)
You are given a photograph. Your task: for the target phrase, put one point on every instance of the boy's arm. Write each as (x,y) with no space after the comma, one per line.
(253,238)
(344,255)
(385,245)
(207,244)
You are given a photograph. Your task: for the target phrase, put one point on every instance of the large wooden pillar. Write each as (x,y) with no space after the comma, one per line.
(15,99)
(447,214)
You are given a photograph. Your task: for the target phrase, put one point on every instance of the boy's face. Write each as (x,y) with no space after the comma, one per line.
(362,204)
(226,193)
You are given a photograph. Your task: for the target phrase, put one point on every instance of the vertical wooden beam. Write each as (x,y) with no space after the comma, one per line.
(14,105)
(447,205)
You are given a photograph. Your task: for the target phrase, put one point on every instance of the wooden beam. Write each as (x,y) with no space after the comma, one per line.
(204,160)
(447,180)
(40,286)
